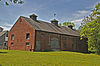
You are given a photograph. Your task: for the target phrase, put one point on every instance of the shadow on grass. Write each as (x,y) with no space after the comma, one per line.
(3,52)
(89,52)
(0,65)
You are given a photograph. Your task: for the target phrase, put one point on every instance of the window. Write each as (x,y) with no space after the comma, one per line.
(64,38)
(12,44)
(27,44)
(12,37)
(42,35)
(64,45)
(7,35)
(27,36)
(4,44)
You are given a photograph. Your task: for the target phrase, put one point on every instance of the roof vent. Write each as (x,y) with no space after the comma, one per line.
(1,29)
(33,16)
(55,22)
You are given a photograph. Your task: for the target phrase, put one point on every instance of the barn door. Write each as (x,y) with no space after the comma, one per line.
(37,46)
(54,44)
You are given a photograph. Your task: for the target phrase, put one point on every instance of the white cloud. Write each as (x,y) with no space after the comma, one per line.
(77,23)
(6,26)
(9,25)
(81,13)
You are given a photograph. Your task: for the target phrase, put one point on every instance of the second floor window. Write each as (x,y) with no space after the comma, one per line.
(12,37)
(27,36)
(64,38)
(42,35)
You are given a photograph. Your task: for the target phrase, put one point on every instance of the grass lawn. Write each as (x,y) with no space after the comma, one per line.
(60,58)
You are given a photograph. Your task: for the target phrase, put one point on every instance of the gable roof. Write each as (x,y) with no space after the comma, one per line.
(49,27)
(2,33)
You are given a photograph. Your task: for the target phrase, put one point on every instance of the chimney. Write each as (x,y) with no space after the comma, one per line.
(1,29)
(55,22)
(33,16)
(70,26)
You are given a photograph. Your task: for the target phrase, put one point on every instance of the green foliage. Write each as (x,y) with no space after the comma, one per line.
(60,24)
(91,29)
(61,58)
(12,1)
(66,24)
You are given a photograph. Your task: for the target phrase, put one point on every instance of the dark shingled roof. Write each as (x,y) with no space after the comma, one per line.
(49,27)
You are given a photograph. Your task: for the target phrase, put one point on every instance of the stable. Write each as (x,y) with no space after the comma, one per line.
(31,34)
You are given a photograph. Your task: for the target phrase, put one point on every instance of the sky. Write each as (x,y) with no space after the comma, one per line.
(65,10)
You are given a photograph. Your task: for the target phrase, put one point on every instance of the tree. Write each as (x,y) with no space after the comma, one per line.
(60,24)
(12,1)
(91,29)
(66,24)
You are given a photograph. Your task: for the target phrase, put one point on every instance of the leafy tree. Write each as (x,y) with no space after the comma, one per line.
(91,29)
(60,24)
(68,23)
(12,1)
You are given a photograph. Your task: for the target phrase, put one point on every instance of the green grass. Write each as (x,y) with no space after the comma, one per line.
(61,58)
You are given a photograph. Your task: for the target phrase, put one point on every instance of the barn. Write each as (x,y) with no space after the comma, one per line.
(31,34)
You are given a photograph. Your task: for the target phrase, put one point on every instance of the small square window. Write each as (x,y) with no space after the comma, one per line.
(27,44)
(12,44)
(64,38)
(27,36)
(12,37)
(42,35)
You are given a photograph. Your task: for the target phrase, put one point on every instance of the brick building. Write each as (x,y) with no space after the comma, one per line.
(3,39)
(31,34)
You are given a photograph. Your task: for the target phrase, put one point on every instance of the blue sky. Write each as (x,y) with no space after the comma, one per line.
(66,10)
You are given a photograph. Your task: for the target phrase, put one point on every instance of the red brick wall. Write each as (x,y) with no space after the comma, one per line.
(74,44)
(78,45)
(45,41)
(19,30)
(67,41)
